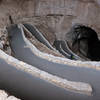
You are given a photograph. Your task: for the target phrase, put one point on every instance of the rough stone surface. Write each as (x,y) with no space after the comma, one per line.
(4,44)
(5,96)
(59,15)
(1,45)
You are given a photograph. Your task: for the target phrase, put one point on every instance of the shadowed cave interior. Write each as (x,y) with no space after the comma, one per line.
(85,42)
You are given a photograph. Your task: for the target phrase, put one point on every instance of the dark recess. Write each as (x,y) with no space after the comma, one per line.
(85,41)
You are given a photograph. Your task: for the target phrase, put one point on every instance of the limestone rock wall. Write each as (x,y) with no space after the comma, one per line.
(59,15)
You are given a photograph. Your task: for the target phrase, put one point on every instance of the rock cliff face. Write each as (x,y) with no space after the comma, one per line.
(59,15)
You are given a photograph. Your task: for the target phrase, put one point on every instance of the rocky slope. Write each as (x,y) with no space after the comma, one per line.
(59,15)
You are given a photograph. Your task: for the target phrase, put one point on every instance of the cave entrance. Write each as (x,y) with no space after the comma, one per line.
(85,42)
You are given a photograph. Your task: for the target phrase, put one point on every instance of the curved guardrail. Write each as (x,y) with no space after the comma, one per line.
(29,83)
(28,53)
(64,49)
(38,35)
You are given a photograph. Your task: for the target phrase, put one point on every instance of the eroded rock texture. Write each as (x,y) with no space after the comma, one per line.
(59,15)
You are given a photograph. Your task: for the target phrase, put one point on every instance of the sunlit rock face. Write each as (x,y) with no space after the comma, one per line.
(59,15)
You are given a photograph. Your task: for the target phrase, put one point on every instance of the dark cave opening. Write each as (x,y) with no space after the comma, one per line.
(85,41)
